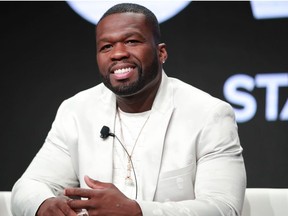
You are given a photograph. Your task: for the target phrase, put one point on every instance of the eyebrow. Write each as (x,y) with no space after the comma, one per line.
(123,37)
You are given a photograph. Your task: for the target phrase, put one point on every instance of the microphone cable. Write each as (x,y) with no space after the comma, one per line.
(132,165)
(105,132)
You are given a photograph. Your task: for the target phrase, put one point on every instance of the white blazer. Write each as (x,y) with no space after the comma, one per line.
(192,162)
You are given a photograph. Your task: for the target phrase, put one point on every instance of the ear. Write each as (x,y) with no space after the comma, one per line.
(163,55)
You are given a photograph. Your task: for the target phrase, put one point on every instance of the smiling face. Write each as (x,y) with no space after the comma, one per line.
(128,57)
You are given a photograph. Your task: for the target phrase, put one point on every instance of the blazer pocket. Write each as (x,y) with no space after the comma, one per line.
(176,185)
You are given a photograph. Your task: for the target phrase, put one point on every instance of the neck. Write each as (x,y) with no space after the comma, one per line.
(140,102)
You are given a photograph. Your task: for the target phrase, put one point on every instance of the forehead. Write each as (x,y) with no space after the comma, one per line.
(122,23)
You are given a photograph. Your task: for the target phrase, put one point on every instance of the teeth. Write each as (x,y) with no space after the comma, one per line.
(123,70)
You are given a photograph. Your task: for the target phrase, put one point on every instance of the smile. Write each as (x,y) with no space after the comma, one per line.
(124,73)
(123,70)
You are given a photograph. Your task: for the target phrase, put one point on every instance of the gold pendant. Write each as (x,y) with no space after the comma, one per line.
(129,181)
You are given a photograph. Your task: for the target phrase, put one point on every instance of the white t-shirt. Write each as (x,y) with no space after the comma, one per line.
(128,128)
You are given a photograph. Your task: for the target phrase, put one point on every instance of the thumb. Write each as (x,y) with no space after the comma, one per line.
(94,184)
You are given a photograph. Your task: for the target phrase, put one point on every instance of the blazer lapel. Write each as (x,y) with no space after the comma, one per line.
(155,138)
(152,156)
(103,169)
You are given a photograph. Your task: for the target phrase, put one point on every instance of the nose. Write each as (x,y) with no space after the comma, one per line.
(119,52)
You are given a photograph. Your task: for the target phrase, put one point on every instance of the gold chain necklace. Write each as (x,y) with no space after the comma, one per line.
(128,179)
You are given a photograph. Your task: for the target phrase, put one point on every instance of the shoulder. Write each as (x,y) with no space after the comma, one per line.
(93,94)
(91,98)
(189,94)
(196,102)
(90,93)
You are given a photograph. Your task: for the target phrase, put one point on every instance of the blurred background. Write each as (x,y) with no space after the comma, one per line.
(236,51)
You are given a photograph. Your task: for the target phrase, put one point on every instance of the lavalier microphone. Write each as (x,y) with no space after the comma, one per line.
(105,132)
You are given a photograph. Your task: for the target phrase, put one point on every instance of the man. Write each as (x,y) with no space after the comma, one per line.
(167,147)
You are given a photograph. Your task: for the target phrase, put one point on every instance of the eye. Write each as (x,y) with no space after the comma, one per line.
(132,42)
(105,48)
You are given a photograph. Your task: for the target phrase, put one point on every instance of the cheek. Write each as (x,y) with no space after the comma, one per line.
(101,63)
(150,58)
(146,57)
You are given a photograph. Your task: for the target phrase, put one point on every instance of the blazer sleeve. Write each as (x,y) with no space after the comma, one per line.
(50,171)
(220,179)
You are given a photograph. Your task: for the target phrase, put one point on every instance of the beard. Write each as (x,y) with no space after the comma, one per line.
(144,78)
(125,89)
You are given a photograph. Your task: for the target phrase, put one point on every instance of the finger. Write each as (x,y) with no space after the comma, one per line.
(67,210)
(78,192)
(56,206)
(64,207)
(94,184)
(80,204)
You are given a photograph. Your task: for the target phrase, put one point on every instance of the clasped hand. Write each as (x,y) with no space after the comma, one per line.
(102,199)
